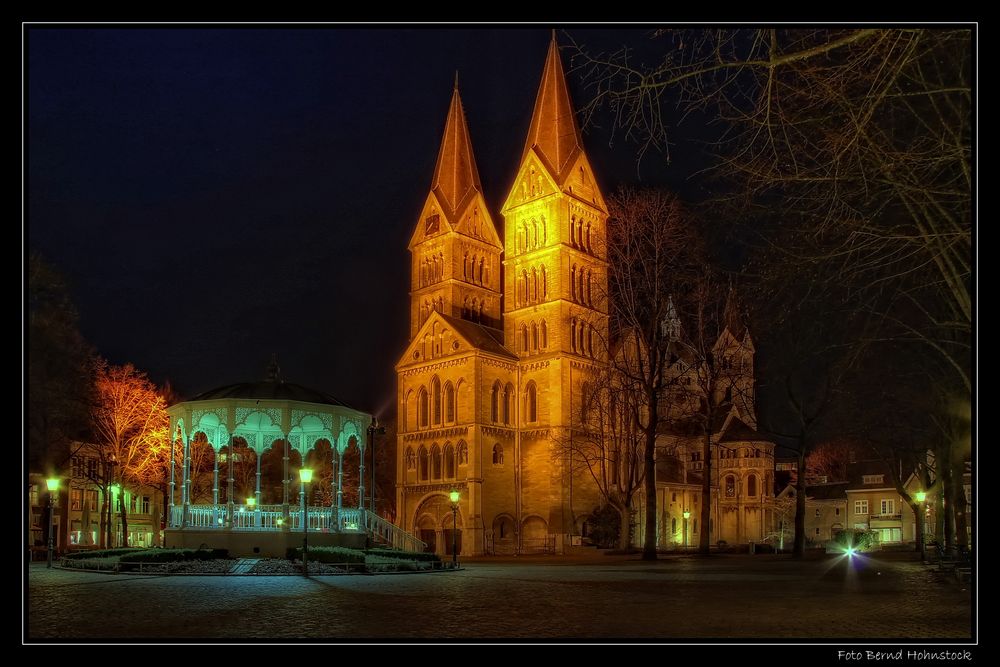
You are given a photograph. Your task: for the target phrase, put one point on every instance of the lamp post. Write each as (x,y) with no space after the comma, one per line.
(454,497)
(374,429)
(921,496)
(52,484)
(305,475)
(687,515)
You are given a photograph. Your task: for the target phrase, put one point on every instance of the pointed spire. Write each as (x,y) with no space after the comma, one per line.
(456,175)
(553,131)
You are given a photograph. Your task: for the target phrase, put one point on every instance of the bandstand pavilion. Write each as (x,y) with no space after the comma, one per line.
(260,416)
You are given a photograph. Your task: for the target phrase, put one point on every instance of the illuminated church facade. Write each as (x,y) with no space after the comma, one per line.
(504,334)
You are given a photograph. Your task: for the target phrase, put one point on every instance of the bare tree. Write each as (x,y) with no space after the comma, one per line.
(857,141)
(653,252)
(131,430)
(607,445)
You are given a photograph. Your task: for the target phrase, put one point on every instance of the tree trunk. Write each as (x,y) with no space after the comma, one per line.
(624,534)
(918,521)
(102,536)
(800,503)
(649,460)
(705,537)
(124,522)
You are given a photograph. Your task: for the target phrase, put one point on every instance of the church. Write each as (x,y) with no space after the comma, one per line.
(505,334)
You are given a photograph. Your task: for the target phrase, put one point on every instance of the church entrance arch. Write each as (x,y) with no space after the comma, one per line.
(433,519)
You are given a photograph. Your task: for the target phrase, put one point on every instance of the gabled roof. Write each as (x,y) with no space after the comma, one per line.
(273,390)
(474,335)
(834,491)
(856,472)
(456,176)
(553,132)
(737,431)
(483,338)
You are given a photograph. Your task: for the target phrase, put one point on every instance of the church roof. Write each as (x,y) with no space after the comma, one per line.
(483,338)
(456,177)
(553,132)
(737,431)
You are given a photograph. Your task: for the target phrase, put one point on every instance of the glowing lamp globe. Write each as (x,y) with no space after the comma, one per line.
(52,484)
(453,496)
(306,475)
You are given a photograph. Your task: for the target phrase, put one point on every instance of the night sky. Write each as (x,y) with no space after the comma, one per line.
(216,195)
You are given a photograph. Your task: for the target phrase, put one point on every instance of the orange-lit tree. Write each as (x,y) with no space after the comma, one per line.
(131,438)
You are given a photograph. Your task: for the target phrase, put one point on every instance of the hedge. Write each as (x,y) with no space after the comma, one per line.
(173,555)
(405,555)
(102,553)
(334,555)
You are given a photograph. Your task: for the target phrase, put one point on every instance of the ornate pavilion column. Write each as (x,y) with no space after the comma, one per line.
(333,487)
(361,476)
(286,525)
(170,515)
(230,506)
(256,494)
(340,484)
(215,486)
(185,482)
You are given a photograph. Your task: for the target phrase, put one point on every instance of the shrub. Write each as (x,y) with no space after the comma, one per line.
(605,526)
(334,555)
(102,553)
(405,555)
(861,540)
(173,555)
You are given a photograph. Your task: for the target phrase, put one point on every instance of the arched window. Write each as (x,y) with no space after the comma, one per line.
(545,335)
(449,461)
(524,281)
(588,237)
(572,337)
(580,291)
(572,282)
(752,486)
(524,338)
(590,299)
(422,408)
(422,464)
(534,285)
(449,402)
(730,486)
(497,455)
(411,459)
(534,234)
(673,524)
(580,348)
(465,266)
(436,400)
(495,402)
(545,284)
(435,462)
(462,452)
(534,337)
(508,403)
(590,341)
(531,403)
(572,230)
(579,231)
(482,262)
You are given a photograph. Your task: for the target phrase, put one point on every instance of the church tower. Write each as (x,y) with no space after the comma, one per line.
(555,306)
(455,247)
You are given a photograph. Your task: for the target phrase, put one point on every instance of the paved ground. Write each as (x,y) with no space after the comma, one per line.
(756,597)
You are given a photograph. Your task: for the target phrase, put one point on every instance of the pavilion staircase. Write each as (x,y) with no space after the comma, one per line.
(390,535)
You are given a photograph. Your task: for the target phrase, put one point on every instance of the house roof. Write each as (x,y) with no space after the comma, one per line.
(856,473)
(274,390)
(834,491)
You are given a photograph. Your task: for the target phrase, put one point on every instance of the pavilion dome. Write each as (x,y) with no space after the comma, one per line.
(273,390)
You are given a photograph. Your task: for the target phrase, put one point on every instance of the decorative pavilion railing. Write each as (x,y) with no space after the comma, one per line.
(321,519)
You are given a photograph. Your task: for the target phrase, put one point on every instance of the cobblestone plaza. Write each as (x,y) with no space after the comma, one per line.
(741,597)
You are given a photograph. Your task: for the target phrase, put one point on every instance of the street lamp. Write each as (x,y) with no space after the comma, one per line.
(374,429)
(687,515)
(306,476)
(52,484)
(454,497)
